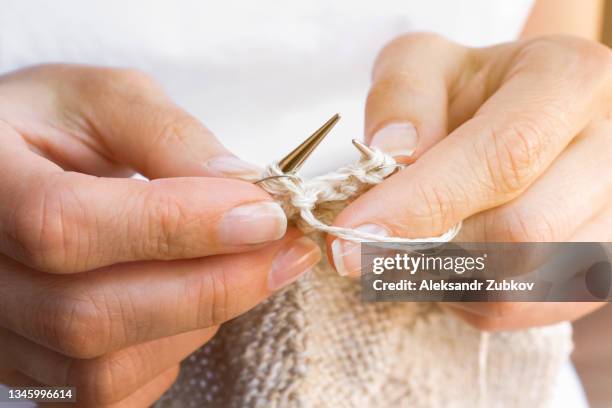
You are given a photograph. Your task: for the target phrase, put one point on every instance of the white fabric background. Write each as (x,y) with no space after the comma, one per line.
(261,74)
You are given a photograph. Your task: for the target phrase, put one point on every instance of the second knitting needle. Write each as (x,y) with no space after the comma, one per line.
(365,151)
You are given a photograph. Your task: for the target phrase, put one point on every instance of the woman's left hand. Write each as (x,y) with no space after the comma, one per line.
(515,139)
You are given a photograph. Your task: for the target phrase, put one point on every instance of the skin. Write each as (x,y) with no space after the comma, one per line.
(581,18)
(108,282)
(512,139)
(72,311)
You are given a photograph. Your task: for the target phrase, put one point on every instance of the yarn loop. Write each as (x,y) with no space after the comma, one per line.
(303,200)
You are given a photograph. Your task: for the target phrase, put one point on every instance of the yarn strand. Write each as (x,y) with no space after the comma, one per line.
(300,197)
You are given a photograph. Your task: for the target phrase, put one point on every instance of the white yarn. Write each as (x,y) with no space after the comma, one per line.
(301,197)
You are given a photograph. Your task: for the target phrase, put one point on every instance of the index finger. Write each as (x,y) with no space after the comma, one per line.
(494,156)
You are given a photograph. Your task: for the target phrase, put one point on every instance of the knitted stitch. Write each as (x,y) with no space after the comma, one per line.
(316,344)
(299,197)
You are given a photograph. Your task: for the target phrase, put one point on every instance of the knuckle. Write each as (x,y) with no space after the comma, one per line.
(512,157)
(434,204)
(125,78)
(402,48)
(160,222)
(173,128)
(177,127)
(522,225)
(46,229)
(72,324)
(213,298)
(107,379)
(556,45)
(596,55)
(574,54)
(129,82)
(590,54)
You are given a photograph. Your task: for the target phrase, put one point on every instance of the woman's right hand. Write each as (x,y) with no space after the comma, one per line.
(108,282)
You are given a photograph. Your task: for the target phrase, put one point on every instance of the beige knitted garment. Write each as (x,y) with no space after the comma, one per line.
(317,344)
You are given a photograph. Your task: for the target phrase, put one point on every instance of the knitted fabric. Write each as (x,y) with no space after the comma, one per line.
(327,193)
(317,344)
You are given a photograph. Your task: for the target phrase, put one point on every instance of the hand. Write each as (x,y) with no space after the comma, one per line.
(515,139)
(107,283)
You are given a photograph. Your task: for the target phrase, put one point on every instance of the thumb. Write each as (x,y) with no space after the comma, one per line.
(406,109)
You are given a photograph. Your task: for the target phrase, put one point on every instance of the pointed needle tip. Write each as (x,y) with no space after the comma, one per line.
(294,160)
(365,151)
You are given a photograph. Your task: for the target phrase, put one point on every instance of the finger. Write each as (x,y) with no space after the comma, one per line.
(65,222)
(14,378)
(151,392)
(560,202)
(143,397)
(103,380)
(89,315)
(490,159)
(130,116)
(406,109)
(508,316)
(597,229)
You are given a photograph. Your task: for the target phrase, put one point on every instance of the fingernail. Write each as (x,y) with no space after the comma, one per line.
(347,254)
(292,262)
(253,224)
(396,139)
(232,166)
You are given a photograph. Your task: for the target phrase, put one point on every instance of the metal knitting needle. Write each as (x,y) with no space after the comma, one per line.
(366,152)
(294,160)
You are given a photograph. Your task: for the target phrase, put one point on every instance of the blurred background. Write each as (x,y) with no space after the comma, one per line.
(608,23)
(593,334)
(593,355)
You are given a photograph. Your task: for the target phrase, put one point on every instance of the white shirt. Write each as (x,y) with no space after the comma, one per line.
(261,74)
